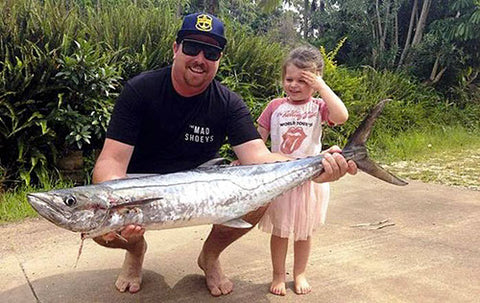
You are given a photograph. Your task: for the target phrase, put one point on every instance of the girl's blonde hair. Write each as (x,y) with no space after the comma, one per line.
(305,57)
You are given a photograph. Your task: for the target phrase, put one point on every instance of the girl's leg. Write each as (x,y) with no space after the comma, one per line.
(301,250)
(278,250)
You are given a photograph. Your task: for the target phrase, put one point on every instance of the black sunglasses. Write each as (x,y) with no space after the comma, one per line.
(194,47)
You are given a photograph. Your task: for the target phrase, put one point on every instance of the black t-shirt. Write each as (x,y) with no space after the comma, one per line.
(173,133)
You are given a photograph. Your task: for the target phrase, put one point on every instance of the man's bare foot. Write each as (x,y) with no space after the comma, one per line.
(131,275)
(217,283)
(278,285)
(301,285)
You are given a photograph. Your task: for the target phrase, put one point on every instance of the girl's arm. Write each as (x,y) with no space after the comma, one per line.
(338,113)
(263,133)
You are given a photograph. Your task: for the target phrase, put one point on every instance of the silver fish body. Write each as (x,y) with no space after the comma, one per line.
(207,195)
(219,194)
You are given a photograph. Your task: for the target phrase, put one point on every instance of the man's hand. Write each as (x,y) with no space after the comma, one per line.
(335,166)
(235,163)
(130,232)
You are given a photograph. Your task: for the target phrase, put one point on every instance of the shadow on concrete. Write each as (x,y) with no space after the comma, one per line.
(98,286)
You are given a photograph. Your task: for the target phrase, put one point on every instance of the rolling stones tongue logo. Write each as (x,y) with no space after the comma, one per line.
(292,139)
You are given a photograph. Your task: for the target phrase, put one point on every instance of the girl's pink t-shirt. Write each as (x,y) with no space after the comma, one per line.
(295,128)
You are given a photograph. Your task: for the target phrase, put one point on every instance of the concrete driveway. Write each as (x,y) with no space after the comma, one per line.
(427,249)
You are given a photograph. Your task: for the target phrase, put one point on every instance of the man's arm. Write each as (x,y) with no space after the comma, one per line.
(334,164)
(255,152)
(112,164)
(113,161)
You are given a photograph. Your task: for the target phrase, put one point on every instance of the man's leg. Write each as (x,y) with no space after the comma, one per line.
(219,238)
(131,275)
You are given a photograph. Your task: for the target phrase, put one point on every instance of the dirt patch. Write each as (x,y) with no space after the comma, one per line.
(32,231)
(454,168)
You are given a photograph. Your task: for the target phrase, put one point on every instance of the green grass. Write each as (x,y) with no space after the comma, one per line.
(14,205)
(419,145)
(449,156)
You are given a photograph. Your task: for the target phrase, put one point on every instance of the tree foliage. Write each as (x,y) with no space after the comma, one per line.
(437,42)
(63,62)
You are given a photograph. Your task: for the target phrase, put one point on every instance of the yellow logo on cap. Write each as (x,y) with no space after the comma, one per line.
(204,23)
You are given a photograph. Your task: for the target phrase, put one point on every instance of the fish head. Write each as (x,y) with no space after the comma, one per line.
(75,209)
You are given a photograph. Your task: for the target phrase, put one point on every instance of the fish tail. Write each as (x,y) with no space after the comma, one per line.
(357,151)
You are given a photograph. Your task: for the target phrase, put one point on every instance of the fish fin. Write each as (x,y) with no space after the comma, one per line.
(136,202)
(119,236)
(237,223)
(373,169)
(214,162)
(135,176)
(363,131)
(355,149)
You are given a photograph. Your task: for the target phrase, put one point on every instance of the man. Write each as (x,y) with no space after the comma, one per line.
(177,118)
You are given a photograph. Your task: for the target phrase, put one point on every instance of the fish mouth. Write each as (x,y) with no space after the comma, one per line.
(41,202)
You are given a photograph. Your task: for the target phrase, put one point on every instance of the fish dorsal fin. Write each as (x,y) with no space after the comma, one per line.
(237,223)
(355,149)
(214,162)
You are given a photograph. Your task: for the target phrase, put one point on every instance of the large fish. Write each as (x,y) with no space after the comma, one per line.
(205,195)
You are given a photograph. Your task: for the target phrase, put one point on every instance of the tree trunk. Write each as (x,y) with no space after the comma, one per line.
(439,75)
(322,6)
(385,25)
(179,9)
(435,68)
(379,26)
(395,37)
(421,22)
(306,18)
(471,77)
(434,76)
(374,47)
(406,48)
(214,7)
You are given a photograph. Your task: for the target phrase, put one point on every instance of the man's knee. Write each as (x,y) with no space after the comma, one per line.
(255,216)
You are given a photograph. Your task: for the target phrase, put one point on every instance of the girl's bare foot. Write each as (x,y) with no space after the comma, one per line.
(301,285)
(278,285)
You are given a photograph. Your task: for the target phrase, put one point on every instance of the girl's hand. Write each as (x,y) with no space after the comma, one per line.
(313,80)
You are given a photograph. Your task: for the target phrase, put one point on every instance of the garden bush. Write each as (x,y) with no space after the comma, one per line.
(63,63)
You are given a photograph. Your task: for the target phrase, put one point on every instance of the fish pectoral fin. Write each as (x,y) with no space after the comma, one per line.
(133,203)
(214,162)
(237,223)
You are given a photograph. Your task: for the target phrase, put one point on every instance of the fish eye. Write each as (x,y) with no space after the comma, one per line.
(70,201)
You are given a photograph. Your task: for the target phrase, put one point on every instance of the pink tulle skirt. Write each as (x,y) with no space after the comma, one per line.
(297,212)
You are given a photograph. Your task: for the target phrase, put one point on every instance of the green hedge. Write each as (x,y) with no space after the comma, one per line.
(63,63)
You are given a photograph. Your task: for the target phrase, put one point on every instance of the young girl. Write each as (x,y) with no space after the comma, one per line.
(294,124)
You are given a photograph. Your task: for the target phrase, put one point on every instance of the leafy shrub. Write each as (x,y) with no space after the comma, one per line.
(90,82)
(62,64)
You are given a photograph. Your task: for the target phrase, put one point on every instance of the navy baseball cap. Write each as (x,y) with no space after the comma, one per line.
(203,24)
